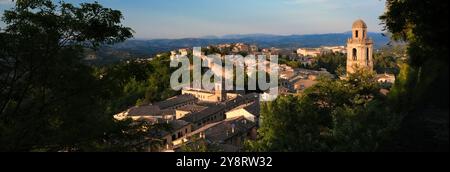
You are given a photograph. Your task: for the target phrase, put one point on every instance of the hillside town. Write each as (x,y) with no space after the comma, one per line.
(226,119)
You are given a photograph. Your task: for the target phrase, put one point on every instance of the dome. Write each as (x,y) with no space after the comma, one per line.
(359,24)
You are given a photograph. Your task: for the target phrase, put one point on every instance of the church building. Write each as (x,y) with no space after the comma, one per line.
(359,48)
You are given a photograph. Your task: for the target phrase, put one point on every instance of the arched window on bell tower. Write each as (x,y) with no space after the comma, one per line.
(356,34)
(354,54)
(367,57)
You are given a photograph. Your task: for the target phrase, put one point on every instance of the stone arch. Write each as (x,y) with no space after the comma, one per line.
(354,54)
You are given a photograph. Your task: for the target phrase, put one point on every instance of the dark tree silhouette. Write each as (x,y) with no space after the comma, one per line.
(49,99)
(421,92)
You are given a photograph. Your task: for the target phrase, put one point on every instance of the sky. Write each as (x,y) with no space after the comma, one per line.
(153,19)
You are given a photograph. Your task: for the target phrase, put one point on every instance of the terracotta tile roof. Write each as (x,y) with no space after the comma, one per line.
(174,101)
(197,116)
(220,132)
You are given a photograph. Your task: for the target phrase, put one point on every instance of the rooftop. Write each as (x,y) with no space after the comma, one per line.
(192,108)
(359,24)
(148,110)
(175,125)
(175,101)
(178,124)
(304,84)
(252,107)
(228,129)
(212,110)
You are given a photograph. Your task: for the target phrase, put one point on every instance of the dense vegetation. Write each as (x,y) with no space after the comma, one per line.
(334,115)
(49,99)
(389,59)
(421,94)
(137,82)
(332,62)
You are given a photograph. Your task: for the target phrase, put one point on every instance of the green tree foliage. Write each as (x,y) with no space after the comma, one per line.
(421,92)
(49,99)
(334,115)
(133,136)
(292,63)
(137,83)
(389,59)
(126,83)
(331,61)
(198,144)
(160,80)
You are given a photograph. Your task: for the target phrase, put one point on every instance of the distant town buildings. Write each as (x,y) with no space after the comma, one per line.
(179,53)
(309,52)
(241,47)
(335,49)
(314,52)
(183,52)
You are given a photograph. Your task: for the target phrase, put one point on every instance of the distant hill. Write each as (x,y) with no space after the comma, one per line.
(150,47)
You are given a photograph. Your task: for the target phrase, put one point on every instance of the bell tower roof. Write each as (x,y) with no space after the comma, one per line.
(359,24)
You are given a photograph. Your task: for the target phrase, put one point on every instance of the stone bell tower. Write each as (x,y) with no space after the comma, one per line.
(359,48)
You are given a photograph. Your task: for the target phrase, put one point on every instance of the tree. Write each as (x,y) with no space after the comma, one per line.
(49,99)
(389,58)
(421,91)
(134,136)
(331,61)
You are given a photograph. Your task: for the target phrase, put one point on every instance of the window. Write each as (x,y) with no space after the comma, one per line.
(356,34)
(367,57)
(364,34)
(174,137)
(354,54)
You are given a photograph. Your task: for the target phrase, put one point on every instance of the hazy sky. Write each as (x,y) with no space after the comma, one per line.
(196,18)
